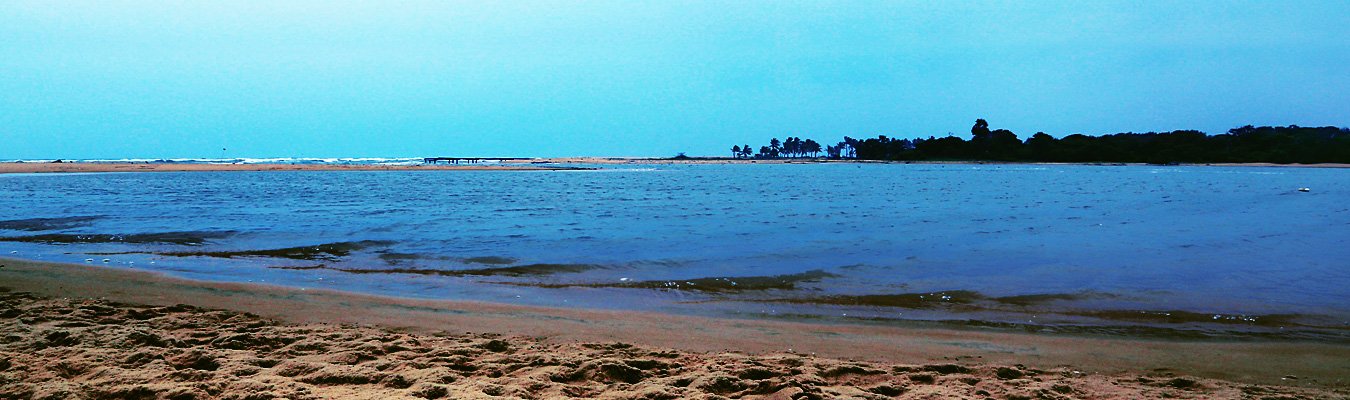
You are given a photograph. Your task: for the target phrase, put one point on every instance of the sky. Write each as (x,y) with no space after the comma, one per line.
(159,79)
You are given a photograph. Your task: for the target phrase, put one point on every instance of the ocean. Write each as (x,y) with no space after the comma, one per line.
(1175,251)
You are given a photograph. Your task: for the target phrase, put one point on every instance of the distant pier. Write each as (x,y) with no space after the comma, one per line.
(469,160)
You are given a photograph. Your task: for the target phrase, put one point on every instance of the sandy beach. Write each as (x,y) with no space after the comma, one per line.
(74,331)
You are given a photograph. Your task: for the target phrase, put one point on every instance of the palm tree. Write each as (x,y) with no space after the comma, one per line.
(810,146)
(852,144)
(735,151)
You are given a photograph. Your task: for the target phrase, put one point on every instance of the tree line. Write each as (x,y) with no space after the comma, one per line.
(793,147)
(1287,144)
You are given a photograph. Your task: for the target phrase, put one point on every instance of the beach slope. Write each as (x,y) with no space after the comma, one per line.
(71,331)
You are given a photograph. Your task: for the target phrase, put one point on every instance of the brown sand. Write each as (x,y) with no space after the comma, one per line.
(33,167)
(89,332)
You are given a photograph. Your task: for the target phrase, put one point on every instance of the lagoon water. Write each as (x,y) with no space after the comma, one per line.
(1201,250)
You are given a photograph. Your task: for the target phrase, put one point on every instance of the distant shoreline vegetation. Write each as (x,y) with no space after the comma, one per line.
(1247,144)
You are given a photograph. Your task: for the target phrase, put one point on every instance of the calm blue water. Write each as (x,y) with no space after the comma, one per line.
(1236,242)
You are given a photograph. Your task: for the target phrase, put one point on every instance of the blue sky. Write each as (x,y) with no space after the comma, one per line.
(113,79)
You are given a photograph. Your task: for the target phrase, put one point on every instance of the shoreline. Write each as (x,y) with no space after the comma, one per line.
(1314,365)
(532,165)
(718,161)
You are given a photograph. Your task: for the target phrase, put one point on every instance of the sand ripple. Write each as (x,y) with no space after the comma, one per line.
(61,348)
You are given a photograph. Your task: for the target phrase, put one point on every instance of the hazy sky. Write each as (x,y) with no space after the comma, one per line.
(112,79)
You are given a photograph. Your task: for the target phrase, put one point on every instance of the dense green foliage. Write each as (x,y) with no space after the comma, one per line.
(1290,144)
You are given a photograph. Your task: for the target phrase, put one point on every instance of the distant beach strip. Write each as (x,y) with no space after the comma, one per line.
(87,167)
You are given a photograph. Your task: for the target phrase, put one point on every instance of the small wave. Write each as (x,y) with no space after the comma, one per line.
(513,271)
(905,300)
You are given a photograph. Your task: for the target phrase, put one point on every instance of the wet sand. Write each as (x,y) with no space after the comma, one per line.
(79,167)
(112,332)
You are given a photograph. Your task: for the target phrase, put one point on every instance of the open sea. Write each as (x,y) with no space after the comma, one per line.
(1174,251)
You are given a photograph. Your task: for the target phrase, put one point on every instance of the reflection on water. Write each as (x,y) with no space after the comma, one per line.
(1200,248)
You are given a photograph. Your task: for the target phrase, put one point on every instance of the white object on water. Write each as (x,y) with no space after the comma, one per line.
(88,260)
(1303,189)
(106,260)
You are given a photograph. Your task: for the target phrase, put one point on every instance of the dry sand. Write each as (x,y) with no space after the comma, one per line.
(93,332)
(68,167)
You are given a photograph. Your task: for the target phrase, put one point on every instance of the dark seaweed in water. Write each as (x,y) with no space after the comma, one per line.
(713,285)
(964,300)
(326,251)
(46,224)
(180,238)
(941,299)
(298,267)
(1034,299)
(1182,317)
(519,270)
(734,284)
(906,300)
